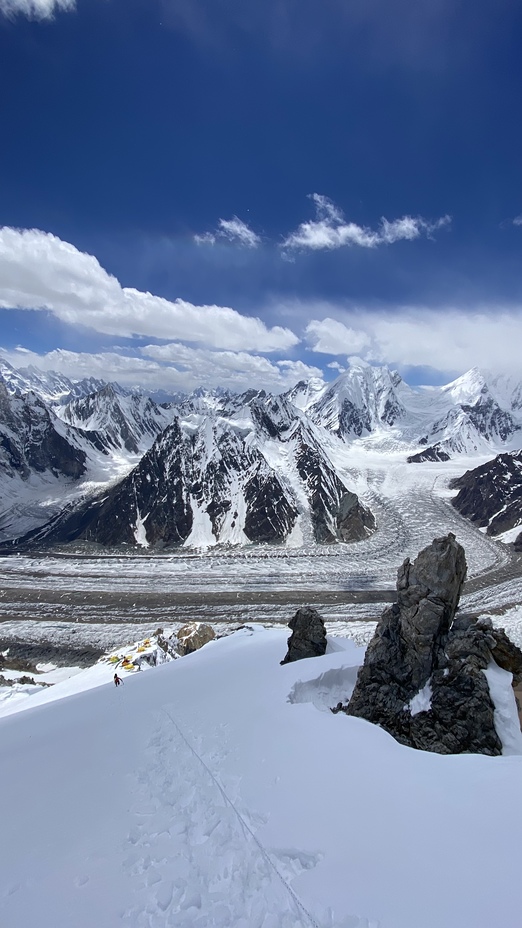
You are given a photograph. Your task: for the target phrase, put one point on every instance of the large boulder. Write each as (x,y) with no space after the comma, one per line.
(193,636)
(422,678)
(308,638)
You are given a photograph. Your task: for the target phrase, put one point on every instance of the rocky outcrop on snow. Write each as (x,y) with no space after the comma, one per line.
(422,678)
(491,495)
(193,636)
(308,638)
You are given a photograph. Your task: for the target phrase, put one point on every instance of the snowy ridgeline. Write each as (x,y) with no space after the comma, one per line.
(219,791)
(89,463)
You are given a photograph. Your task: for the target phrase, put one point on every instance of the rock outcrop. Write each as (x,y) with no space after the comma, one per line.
(491,495)
(422,677)
(193,636)
(308,638)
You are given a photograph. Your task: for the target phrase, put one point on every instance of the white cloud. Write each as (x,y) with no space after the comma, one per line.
(335,366)
(235,370)
(235,230)
(104,365)
(171,367)
(330,230)
(35,9)
(329,336)
(206,238)
(447,339)
(40,271)
(517,221)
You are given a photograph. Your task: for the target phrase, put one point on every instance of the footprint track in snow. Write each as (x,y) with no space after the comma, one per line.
(194,861)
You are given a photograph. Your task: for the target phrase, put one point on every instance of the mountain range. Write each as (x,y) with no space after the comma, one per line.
(89,461)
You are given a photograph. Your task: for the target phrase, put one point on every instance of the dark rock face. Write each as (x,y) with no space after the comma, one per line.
(151,488)
(490,420)
(353,421)
(422,676)
(308,638)
(31,439)
(274,415)
(353,520)
(113,420)
(491,495)
(337,514)
(177,478)
(434,453)
(270,514)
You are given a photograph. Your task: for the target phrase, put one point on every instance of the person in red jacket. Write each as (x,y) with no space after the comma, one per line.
(117,680)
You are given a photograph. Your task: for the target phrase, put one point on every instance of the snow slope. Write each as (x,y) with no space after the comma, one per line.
(218,791)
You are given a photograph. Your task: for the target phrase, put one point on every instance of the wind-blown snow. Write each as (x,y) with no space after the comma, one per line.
(505,713)
(141,532)
(201,535)
(199,795)
(421,702)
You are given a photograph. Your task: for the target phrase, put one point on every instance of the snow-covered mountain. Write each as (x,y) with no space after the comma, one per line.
(46,462)
(122,420)
(39,457)
(210,480)
(491,495)
(50,386)
(479,419)
(360,401)
(33,440)
(377,407)
(221,468)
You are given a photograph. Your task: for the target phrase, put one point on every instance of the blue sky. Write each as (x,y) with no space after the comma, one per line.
(236,193)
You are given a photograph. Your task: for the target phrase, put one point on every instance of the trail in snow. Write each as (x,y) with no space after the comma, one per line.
(210,792)
(224,876)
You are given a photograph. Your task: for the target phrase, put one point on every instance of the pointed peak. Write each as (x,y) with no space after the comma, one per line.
(468,386)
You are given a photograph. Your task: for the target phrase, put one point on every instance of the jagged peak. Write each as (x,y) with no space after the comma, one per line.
(468,387)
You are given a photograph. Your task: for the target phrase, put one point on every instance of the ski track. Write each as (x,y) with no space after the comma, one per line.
(193,854)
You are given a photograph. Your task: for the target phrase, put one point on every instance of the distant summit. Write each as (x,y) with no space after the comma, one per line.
(215,467)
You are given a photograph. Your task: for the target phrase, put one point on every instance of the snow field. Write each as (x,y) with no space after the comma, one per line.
(211,792)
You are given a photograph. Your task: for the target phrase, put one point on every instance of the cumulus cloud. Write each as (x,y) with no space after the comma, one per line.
(40,271)
(235,370)
(35,9)
(330,230)
(329,336)
(104,365)
(447,339)
(234,230)
(335,366)
(174,367)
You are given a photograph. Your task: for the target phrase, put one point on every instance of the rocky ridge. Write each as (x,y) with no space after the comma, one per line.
(422,679)
(33,440)
(246,468)
(491,495)
(308,638)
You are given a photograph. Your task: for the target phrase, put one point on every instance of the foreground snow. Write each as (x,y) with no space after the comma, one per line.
(218,791)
